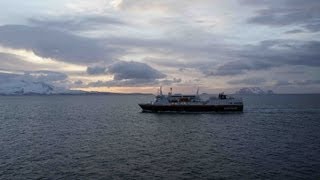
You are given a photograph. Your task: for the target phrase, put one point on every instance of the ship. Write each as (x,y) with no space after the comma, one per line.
(192,103)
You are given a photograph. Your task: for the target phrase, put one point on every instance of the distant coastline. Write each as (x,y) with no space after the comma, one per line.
(82,93)
(147,94)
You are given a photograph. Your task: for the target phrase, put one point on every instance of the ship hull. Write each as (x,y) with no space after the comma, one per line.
(191,108)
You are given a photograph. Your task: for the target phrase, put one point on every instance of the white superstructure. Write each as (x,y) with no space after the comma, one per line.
(180,99)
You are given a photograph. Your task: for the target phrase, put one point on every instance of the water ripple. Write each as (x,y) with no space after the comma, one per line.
(106,137)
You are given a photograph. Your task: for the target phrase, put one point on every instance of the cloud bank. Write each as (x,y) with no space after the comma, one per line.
(214,44)
(287,12)
(54,44)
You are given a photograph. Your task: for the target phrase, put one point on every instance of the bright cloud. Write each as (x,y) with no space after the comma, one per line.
(45,63)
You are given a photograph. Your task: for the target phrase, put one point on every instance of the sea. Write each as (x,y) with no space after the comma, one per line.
(108,137)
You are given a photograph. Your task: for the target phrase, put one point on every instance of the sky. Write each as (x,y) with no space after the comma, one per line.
(137,46)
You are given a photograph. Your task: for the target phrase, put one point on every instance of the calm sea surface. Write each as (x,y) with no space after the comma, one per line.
(107,137)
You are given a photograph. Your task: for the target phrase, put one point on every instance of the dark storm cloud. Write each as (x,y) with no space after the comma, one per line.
(237,67)
(96,70)
(304,13)
(76,23)
(268,54)
(126,70)
(54,44)
(218,59)
(284,52)
(133,70)
(221,59)
(282,17)
(134,82)
(131,74)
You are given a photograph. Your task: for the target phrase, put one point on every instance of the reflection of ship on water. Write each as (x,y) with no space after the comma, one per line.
(192,103)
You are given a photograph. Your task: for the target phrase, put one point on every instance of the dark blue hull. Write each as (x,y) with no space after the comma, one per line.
(190,108)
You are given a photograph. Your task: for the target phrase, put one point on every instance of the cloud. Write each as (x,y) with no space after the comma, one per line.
(129,73)
(13,62)
(54,44)
(168,39)
(248,81)
(77,22)
(179,54)
(167,82)
(266,55)
(285,52)
(236,68)
(298,82)
(126,70)
(145,5)
(294,31)
(287,12)
(223,59)
(34,76)
(134,82)
(78,82)
(45,76)
(96,70)
(133,70)
(313,27)
(132,74)
(122,83)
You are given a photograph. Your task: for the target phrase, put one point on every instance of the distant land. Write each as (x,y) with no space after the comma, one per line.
(40,88)
(19,88)
(253,90)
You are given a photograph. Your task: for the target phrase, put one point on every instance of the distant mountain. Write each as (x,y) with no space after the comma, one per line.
(23,87)
(253,90)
